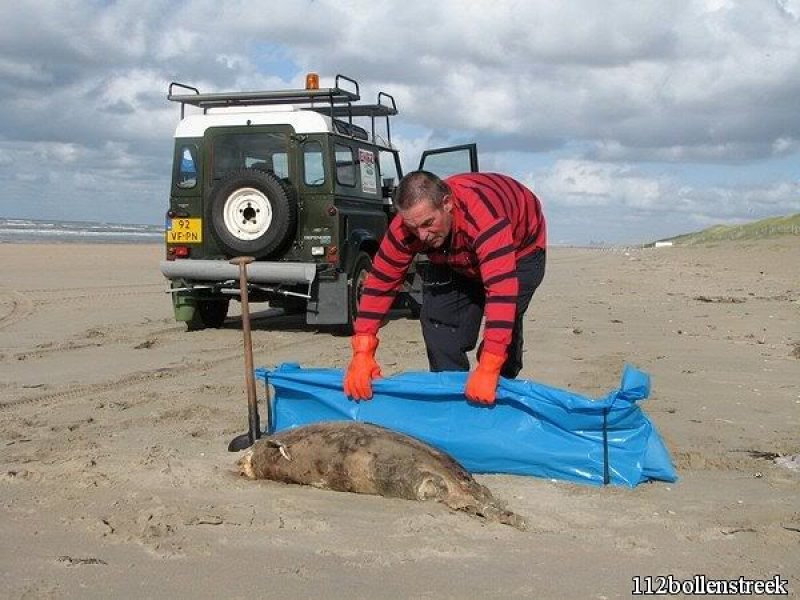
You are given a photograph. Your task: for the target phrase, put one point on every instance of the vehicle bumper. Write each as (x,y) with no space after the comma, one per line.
(221,270)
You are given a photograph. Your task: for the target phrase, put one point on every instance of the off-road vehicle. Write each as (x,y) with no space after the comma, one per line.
(291,178)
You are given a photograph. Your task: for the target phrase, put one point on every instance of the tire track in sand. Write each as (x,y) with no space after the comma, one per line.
(90,390)
(23,303)
(43,297)
(21,307)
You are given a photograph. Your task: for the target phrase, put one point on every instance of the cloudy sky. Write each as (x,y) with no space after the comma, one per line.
(631,120)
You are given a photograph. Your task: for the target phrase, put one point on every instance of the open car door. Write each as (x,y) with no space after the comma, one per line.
(450,160)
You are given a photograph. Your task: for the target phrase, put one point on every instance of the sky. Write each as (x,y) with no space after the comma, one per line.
(632,121)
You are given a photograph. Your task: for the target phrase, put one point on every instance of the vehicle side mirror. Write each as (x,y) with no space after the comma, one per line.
(388,186)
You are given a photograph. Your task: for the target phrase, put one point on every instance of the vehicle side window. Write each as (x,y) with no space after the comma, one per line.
(450,160)
(313,165)
(447,164)
(280,164)
(345,165)
(389,170)
(187,167)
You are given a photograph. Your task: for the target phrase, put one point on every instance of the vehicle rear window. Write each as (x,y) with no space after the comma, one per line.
(265,151)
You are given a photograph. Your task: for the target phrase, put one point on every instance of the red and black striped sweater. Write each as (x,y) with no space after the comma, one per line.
(496,220)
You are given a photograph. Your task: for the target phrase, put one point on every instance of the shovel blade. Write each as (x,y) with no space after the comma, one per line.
(240,442)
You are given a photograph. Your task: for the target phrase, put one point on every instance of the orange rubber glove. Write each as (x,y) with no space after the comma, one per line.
(363,367)
(482,382)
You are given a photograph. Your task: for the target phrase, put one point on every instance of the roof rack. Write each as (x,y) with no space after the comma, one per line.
(338,101)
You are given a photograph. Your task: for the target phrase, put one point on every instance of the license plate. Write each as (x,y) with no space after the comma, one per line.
(184,231)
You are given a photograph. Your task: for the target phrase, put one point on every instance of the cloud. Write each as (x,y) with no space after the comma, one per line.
(707,75)
(607,198)
(575,183)
(703,81)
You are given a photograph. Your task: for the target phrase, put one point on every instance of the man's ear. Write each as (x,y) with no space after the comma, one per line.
(447,203)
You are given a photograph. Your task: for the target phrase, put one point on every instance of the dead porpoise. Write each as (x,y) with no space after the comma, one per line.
(367,459)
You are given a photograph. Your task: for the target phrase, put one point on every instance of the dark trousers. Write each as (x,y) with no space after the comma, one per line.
(452,311)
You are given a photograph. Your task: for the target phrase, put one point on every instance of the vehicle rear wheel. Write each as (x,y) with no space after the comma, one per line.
(293,306)
(209,314)
(252,213)
(358,275)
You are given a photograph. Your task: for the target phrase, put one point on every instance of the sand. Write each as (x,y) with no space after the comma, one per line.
(115,480)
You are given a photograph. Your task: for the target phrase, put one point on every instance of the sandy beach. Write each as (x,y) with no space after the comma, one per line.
(116,482)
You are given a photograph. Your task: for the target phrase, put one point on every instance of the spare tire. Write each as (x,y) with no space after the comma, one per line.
(252,213)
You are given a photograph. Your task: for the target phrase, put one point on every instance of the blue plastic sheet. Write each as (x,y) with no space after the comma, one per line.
(533,429)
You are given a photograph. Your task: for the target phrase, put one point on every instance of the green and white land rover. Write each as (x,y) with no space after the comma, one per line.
(292,179)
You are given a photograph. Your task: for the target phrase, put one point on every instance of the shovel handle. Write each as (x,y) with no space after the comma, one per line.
(250,379)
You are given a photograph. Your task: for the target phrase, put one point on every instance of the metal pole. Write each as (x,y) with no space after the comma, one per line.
(254,425)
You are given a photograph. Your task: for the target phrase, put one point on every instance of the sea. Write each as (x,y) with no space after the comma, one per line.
(32,231)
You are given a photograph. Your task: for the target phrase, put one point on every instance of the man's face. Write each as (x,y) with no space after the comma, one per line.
(428,223)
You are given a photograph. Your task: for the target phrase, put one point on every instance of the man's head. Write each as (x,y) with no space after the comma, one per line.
(425,204)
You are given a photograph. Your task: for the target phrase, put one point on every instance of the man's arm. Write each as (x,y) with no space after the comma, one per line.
(496,255)
(490,218)
(389,269)
(498,266)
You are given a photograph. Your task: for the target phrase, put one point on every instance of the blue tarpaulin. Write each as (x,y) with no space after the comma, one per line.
(533,429)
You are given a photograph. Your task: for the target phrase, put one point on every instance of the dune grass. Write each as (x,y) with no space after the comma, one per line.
(771,227)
